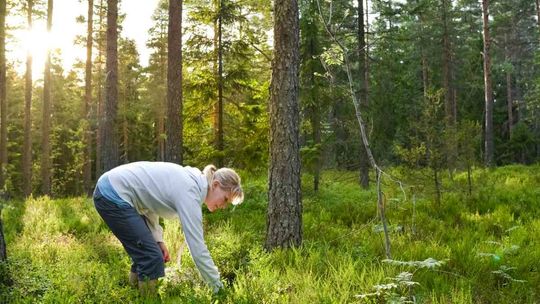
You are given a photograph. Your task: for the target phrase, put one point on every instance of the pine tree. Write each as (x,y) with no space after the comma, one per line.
(488,91)
(173,151)
(284,219)
(27,146)
(87,169)
(109,140)
(46,122)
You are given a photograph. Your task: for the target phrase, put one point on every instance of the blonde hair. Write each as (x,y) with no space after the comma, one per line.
(228,180)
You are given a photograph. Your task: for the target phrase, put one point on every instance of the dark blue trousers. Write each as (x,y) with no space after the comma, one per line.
(132,231)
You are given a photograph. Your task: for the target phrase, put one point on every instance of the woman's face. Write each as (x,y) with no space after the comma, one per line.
(217,198)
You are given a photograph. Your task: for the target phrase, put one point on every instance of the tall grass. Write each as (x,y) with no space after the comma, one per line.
(61,252)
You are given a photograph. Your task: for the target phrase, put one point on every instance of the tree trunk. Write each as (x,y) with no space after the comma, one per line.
(109,142)
(509,100)
(488,92)
(446,66)
(218,108)
(3,99)
(124,155)
(174,84)
(27,145)
(99,106)
(46,122)
(87,166)
(437,183)
(364,161)
(284,219)
(449,106)
(162,111)
(315,119)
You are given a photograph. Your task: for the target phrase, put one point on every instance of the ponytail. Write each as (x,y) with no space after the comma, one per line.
(209,171)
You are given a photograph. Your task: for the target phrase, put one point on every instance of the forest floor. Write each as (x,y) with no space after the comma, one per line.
(478,247)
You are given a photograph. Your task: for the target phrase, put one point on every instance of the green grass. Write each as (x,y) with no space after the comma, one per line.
(60,251)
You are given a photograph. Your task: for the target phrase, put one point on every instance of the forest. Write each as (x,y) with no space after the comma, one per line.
(389,149)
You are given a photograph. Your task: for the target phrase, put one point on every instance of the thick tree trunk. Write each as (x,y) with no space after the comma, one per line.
(46,122)
(3,99)
(364,161)
(27,145)
(174,84)
(109,141)
(87,156)
(284,219)
(488,92)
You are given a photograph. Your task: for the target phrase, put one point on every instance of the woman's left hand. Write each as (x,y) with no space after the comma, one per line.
(164,251)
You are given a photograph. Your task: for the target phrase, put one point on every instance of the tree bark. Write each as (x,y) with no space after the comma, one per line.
(27,145)
(218,107)
(99,106)
(109,141)
(174,84)
(3,99)
(364,161)
(87,167)
(46,122)
(488,92)
(284,218)
(509,100)
(449,106)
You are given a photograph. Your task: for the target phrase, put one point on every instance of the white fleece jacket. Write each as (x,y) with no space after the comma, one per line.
(160,189)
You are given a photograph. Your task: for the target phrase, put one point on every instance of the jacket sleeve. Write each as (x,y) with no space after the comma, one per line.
(190,214)
(152,220)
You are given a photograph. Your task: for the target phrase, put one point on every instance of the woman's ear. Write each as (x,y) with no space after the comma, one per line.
(215,183)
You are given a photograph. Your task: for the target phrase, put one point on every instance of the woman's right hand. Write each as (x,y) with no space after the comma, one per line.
(164,251)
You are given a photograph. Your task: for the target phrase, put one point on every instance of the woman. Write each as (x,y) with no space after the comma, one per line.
(131,198)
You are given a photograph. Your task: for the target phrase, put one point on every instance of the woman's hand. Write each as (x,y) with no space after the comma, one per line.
(164,251)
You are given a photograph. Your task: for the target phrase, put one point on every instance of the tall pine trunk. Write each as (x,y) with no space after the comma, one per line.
(284,218)
(27,145)
(109,141)
(100,91)
(3,99)
(509,100)
(46,122)
(218,108)
(87,154)
(174,84)
(488,92)
(449,106)
(364,161)
(161,110)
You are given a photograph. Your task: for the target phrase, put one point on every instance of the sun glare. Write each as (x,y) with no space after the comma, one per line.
(37,42)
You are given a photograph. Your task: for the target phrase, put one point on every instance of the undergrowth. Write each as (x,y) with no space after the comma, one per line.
(484,246)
